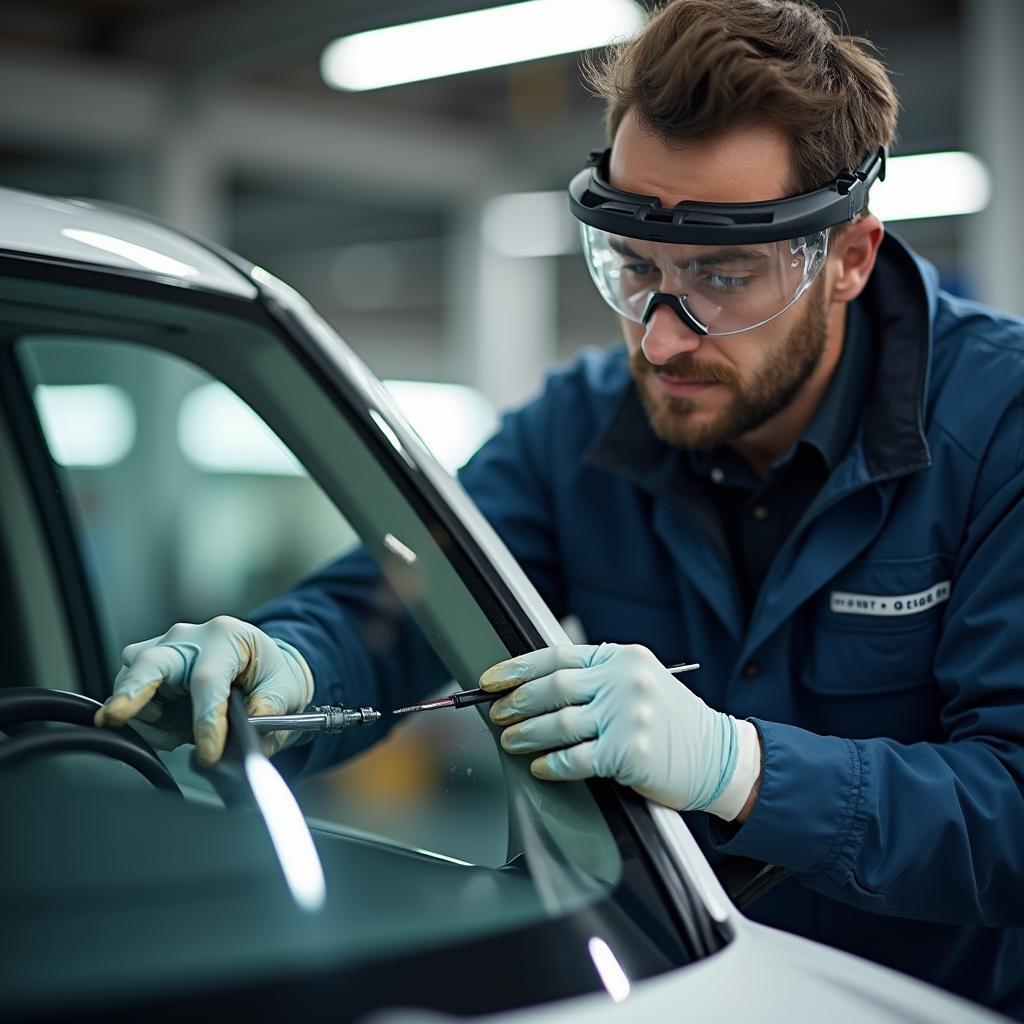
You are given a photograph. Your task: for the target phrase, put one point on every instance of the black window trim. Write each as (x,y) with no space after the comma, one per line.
(59,530)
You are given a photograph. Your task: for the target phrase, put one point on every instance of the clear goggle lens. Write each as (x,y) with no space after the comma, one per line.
(727,288)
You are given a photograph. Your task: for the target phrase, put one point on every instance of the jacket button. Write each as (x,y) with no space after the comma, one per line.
(760,513)
(751,670)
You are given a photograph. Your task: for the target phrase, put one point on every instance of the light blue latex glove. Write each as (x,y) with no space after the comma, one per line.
(178,684)
(617,713)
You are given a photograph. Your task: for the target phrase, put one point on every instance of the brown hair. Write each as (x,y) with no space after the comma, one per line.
(701,66)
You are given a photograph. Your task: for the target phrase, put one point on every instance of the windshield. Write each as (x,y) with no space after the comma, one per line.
(207,467)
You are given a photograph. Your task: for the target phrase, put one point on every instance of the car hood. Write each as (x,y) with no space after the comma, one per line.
(764,975)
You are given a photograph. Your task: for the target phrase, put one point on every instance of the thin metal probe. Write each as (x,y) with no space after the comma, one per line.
(322,718)
(466,697)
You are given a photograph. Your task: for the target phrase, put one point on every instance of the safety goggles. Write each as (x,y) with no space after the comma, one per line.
(723,268)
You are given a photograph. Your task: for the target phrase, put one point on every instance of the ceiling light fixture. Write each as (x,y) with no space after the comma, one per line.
(452,420)
(920,185)
(219,433)
(86,425)
(531,224)
(477,39)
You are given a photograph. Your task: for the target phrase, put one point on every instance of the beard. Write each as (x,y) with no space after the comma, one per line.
(777,382)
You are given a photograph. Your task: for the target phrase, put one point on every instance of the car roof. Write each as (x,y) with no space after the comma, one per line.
(84,232)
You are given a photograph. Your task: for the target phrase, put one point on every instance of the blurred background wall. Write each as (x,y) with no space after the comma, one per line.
(213,115)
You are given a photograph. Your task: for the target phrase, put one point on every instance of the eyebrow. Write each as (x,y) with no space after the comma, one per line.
(733,254)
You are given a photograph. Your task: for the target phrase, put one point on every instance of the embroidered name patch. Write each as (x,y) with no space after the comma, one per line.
(882,604)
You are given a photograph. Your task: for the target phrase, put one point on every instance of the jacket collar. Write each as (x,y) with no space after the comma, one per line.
(834,424)
(900,301)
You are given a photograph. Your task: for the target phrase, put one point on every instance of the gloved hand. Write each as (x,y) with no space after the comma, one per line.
(619,714)
(202,662)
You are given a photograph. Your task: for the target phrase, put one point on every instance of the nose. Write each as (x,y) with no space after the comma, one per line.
(667,336)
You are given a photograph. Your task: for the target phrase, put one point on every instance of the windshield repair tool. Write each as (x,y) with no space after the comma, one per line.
(465,698)
(319,718)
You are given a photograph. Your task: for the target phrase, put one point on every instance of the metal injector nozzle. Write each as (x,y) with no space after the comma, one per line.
(322,718)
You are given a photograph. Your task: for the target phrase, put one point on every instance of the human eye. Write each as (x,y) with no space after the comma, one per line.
(729,282)
(638,268)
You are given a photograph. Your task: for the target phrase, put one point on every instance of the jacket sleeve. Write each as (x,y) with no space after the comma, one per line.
(509,480)
(933,831)
(360,643)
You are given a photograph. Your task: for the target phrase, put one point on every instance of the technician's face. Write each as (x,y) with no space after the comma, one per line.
(702,392)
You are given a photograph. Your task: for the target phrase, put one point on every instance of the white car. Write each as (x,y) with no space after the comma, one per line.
(137,886)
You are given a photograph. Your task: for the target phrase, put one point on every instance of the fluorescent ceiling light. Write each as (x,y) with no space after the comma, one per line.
(219,433)
(478,39)
(86,425)
(931,185)
(531,224)
(453,420)
(148,259)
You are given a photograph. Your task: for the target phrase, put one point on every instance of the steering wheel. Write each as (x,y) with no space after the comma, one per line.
(26,704)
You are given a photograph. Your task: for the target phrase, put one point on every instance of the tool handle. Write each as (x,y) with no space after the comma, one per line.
(467,697)
(330,718)
(314,722)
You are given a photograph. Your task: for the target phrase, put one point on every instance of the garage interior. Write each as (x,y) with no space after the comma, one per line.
(389,210)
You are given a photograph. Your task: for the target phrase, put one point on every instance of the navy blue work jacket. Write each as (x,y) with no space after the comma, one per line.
(882,663)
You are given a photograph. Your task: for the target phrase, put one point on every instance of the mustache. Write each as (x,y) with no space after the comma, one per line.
(683,368)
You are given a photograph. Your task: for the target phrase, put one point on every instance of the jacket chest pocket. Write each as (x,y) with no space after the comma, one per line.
(875,628)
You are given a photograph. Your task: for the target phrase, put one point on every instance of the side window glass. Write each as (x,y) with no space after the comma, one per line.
(188,506)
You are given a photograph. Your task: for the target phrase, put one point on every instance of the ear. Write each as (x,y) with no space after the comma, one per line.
(853,257)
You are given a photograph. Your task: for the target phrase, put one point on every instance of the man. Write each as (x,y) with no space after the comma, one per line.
(804,468)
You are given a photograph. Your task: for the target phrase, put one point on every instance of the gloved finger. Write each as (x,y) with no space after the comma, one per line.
(210,728)
(164,724)
(209,685)
(561,728)
(137,682)
(508,674)
(272,742)
(566,765)
(265,702)
(132,651)
(563,687)
(268,702)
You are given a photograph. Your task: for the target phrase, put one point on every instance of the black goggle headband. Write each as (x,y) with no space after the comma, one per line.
(596,203)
